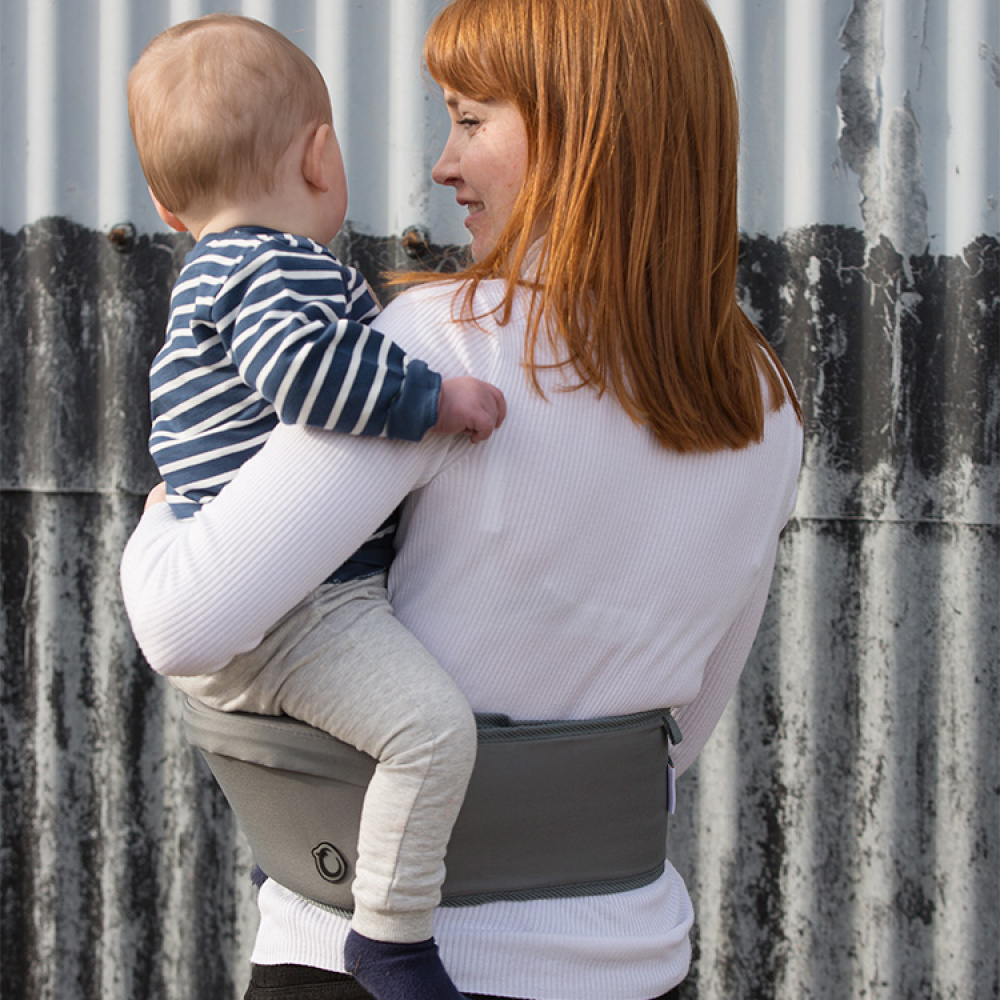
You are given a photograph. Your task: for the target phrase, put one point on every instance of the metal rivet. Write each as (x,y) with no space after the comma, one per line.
(122,237)
(416,242)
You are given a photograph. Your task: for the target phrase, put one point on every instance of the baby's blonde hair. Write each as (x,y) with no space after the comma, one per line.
(214,103)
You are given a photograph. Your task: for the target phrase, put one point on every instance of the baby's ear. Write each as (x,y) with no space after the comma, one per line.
(314,158)
(168,217)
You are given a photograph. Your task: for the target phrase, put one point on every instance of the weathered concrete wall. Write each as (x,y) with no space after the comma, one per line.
(844,826)
(110,830)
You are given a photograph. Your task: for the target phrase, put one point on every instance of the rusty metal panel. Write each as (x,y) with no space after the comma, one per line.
(840,832)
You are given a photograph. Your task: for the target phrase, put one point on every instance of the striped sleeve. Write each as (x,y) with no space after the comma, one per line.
(294,323)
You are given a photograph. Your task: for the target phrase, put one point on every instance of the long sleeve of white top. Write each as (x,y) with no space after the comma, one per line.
(203,590)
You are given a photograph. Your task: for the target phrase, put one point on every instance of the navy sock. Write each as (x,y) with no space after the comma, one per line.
(392,971)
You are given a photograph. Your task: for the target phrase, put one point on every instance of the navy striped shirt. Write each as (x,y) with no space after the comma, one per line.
(267,327)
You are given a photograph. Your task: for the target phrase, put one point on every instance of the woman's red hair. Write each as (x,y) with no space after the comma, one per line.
(632,121)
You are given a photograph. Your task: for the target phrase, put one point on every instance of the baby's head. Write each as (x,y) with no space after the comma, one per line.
(214,103)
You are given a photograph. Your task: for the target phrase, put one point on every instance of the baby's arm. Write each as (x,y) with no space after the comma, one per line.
(301,338)
(466,405)
(297,341)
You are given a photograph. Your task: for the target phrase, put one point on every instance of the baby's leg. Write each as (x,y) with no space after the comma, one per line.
(342,662)
(364,678)
(367,680)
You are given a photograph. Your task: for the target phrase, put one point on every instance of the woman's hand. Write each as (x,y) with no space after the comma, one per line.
(158,494)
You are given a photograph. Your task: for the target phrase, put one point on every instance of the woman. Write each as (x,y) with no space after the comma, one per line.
(608,551)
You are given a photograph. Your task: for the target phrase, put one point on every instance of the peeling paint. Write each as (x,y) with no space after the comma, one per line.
(880,144)
(904,203)
(992,59)
(897,364)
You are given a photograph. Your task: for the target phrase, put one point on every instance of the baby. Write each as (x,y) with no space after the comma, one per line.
(234,131)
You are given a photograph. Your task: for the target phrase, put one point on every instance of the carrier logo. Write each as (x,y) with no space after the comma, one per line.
(330,862)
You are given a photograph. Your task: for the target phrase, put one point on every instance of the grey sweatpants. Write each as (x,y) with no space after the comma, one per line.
(342,662)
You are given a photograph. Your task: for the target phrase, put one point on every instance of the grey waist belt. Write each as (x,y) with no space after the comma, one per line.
(553,808)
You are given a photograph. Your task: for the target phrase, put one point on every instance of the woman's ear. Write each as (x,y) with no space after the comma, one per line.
(168,217)
(314,158)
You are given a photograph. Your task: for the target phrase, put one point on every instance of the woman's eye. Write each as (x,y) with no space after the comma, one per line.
(467,122)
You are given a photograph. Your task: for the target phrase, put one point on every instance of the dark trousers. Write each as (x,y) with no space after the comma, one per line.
(292,982)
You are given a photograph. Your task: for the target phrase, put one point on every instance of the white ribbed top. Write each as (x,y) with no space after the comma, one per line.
(567,568)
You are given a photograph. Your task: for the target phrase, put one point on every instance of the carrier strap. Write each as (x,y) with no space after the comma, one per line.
(554,808)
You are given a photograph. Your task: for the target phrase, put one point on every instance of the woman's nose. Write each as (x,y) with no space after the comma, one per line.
(445,171)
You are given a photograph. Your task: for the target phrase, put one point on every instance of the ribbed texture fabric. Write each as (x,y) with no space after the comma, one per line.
(630,946)
(569,567)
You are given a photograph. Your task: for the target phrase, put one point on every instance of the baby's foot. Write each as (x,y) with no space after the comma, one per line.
(394,971)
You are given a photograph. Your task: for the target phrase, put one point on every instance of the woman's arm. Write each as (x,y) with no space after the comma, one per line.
(698,719)
(202,590)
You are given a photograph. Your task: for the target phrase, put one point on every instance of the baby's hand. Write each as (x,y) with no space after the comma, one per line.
(468,406)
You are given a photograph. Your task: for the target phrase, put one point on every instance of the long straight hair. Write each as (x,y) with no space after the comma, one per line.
(633,145)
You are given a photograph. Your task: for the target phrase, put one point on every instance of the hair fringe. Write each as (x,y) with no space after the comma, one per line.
(633,142)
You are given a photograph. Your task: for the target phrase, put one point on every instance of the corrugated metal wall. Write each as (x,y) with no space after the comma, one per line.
(841,833)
